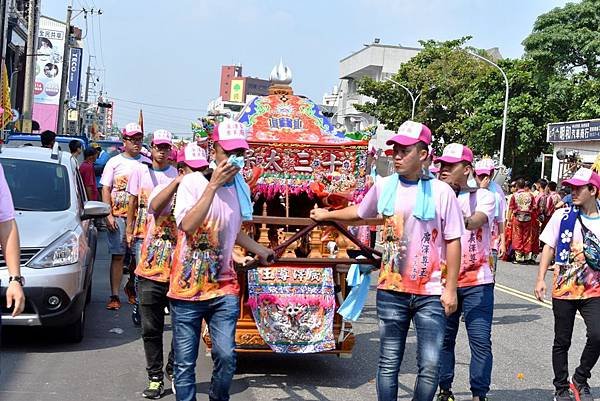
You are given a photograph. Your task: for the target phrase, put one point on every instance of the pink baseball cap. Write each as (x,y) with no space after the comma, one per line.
(230,135)
(455,153)
(409,133)
(162,136)
(433,169)
(484,166)
(132,129)
(193,155)
(174,154)
(583,176)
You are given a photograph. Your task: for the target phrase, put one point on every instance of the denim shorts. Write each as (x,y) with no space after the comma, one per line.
(116,239)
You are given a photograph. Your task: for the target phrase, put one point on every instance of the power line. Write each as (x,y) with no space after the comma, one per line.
(159,105)
(101,50)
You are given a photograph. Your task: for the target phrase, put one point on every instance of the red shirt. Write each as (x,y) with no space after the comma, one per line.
(89,178)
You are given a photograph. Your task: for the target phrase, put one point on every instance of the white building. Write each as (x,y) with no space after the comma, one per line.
(377,61)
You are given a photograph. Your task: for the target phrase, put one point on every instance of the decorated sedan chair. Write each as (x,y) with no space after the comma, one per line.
(297,161)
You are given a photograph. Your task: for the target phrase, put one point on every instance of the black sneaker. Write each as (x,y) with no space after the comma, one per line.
(581,390)
(135,316)
(563,395)
(154,390)
(445,395)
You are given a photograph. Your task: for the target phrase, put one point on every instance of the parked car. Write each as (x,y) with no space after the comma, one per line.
(58,240)
(16,140)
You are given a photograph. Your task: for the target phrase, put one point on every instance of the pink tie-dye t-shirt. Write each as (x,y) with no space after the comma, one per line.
(202,265)
(414,251)
(7,210)
(116,175)
(141,182)
(501,201)
(159,243)
(575,280)
(475,263)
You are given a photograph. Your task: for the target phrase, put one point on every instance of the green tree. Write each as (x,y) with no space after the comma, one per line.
(567,39)
(462,100)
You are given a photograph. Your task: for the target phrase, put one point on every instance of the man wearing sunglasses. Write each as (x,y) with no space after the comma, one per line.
(114,192)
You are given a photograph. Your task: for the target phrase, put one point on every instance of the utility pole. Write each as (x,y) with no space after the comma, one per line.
(65,72)
(88,75)
(30,61)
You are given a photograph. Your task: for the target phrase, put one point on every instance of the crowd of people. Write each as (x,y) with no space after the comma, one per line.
(442,235)
(530,207)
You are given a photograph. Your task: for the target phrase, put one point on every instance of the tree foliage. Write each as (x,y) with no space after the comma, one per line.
(568,39)
(461,98)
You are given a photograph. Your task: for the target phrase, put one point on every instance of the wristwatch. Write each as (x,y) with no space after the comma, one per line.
(18,279)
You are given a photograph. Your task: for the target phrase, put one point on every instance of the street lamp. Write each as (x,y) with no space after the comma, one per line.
(505,101)
(412,97)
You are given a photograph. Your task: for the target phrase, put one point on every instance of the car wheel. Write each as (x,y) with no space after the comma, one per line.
(74,331)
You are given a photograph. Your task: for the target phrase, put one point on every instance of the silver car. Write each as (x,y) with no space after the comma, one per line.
(58,239)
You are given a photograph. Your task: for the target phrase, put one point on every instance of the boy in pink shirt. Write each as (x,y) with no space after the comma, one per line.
(572,240)
(203,282)
(421,256)
(154,267)
(141,182)
(114,192)
(475,279)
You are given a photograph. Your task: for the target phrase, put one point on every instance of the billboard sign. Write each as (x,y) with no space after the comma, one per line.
(48,66)
(74,74)
(574,131)
(237,91)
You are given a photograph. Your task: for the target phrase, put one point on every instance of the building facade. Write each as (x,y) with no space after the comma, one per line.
(377,61)
(235,91)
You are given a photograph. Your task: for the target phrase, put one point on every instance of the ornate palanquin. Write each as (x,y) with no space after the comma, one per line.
(298,159)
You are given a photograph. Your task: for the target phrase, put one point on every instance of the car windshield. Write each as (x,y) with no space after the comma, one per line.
(37,186)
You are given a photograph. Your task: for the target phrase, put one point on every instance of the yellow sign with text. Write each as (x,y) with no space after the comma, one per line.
(237,90)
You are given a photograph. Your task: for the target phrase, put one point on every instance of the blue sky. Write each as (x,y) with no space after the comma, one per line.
(170,52)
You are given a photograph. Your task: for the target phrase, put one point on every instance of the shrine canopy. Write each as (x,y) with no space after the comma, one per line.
(294,146)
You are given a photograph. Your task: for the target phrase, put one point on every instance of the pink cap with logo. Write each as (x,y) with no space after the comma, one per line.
(484,166)
(193,155)
(455,153)
(162,136)
(583,176)
(230,135)
(132,129)
(409,133)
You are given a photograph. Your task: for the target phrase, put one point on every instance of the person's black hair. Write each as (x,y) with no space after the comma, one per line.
(552,186)
(420,145)
(47,138)
(89,152)
(521,183)
(74,145)
(543,183)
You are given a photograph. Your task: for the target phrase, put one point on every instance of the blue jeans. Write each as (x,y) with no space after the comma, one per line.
(477,304)
(221,315)
(395,310)
(116,239)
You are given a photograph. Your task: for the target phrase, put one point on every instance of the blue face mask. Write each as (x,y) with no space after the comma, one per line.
(237,161)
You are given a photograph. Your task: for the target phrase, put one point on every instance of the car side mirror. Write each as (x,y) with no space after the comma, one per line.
(94,209)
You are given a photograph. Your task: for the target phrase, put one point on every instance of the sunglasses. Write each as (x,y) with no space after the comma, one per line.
(135,139)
